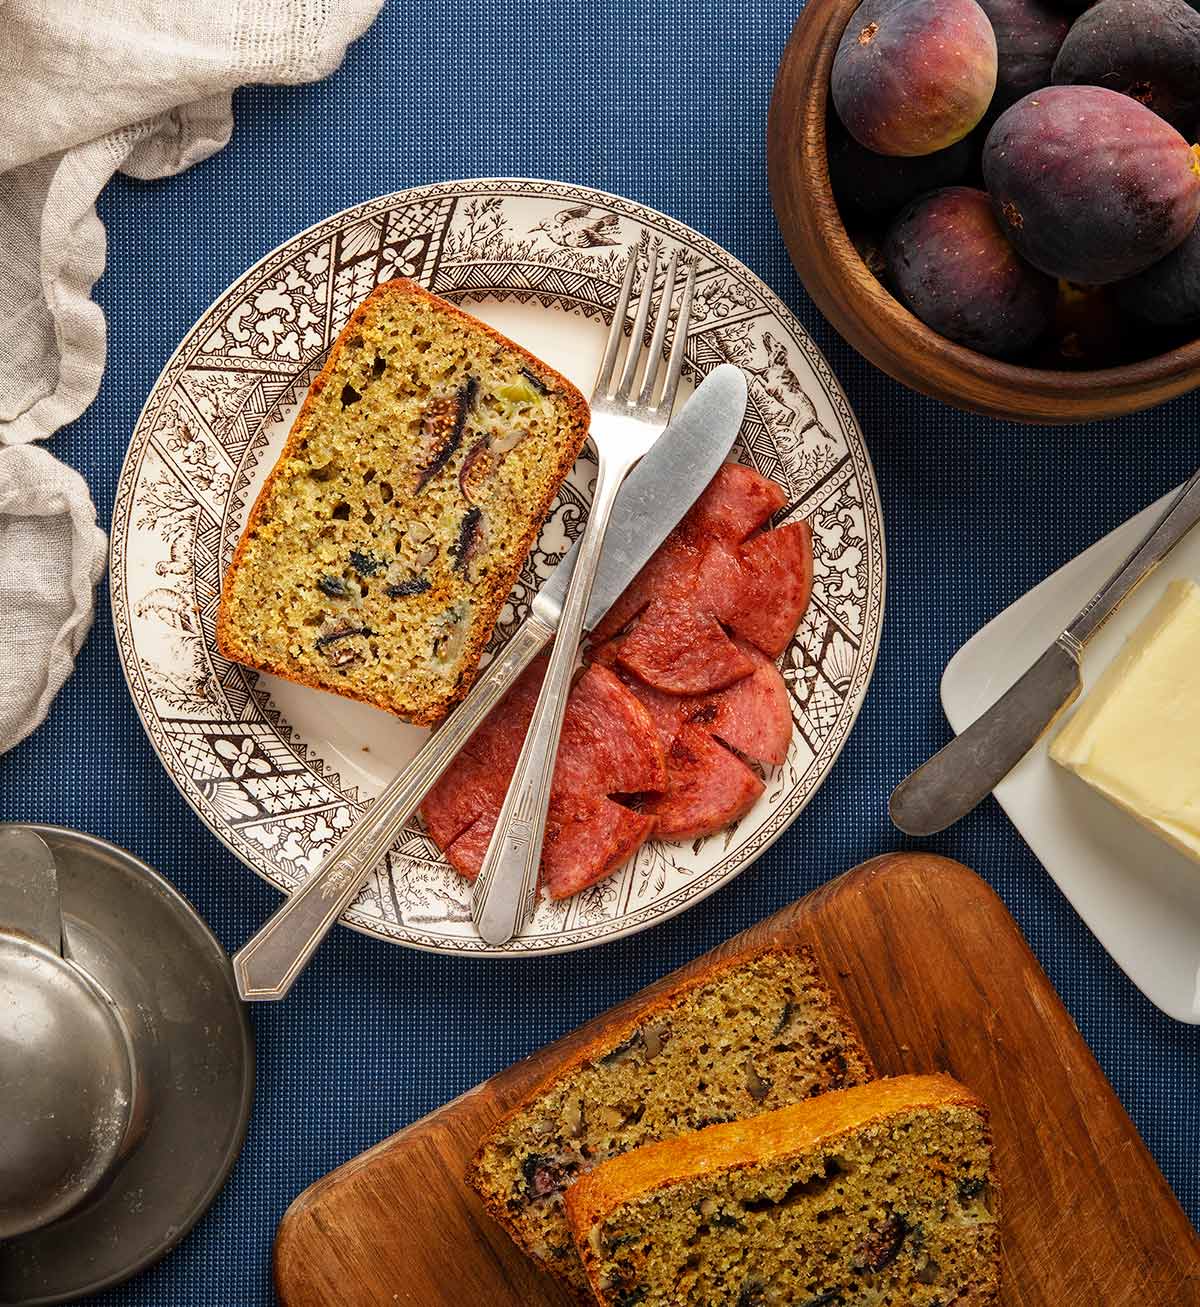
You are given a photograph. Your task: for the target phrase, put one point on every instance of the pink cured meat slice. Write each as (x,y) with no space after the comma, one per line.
(681,649)
(465,854)
(711,573)
(666,710)
(609,744)
(669,575)
(477,779)
(708,787)
(761,590)
(754,716)
(586,843)
(736,502)
(453,803)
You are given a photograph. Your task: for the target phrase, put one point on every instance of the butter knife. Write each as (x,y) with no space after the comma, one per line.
(966,771)
(655,495)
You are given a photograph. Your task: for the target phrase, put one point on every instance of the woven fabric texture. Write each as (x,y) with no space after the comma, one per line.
(665,103)
(52,554)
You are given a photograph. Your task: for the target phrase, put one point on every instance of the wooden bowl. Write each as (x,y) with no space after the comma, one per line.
(875,323)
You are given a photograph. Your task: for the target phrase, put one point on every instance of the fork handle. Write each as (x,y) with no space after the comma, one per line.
(504,893)
(267,965)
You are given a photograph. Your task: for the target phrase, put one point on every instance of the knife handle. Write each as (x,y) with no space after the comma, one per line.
(1177,520)
(964,772)
(267,965)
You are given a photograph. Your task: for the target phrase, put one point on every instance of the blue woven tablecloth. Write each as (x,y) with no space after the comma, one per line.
(665,103)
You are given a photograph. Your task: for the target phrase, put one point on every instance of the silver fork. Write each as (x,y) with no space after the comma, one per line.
(625,423)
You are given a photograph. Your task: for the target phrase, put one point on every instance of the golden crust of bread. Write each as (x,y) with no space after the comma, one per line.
(491,597)
(817,1122)
(614,1035)
(620,1030)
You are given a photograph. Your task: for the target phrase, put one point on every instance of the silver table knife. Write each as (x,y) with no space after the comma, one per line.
(653,498)
(965,772)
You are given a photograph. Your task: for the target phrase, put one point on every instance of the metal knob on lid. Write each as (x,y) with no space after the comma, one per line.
(66,1064)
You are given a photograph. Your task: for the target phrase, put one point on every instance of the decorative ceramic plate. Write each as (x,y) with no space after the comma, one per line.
(1139,896)
(278,771)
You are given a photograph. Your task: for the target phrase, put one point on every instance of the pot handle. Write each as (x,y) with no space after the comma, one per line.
(29,902)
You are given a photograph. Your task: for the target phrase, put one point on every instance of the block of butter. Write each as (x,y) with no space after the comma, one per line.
(1136,736)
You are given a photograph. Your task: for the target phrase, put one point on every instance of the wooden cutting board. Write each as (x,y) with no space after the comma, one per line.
(938,977)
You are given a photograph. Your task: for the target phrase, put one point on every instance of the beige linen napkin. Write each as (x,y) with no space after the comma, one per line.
(88,87)
(51,560)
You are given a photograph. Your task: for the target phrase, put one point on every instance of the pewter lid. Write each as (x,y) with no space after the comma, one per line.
(171,989)
(66,1079)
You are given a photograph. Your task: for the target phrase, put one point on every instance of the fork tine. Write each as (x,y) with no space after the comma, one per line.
(625,385)
(660,334)
(615,332)
(679,344)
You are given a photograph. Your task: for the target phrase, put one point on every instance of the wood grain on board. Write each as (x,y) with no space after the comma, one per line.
(938,977)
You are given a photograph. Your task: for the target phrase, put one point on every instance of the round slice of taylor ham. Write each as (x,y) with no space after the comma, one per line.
(711,573)
(609,745)
(708,785)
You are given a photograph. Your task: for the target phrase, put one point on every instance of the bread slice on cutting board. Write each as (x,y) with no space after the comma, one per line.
(881,1194)
(752,1033)
(381,549)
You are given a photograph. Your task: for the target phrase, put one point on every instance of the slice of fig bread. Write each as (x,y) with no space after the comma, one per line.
(413,484)
(756,1032)
(883,1195)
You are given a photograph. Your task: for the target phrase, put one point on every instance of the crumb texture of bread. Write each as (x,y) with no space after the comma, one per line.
(416,477)
(757,1032)
(884,1195)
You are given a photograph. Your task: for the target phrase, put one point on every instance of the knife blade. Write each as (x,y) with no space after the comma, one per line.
(653,498)
(673,473)
(962,774)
